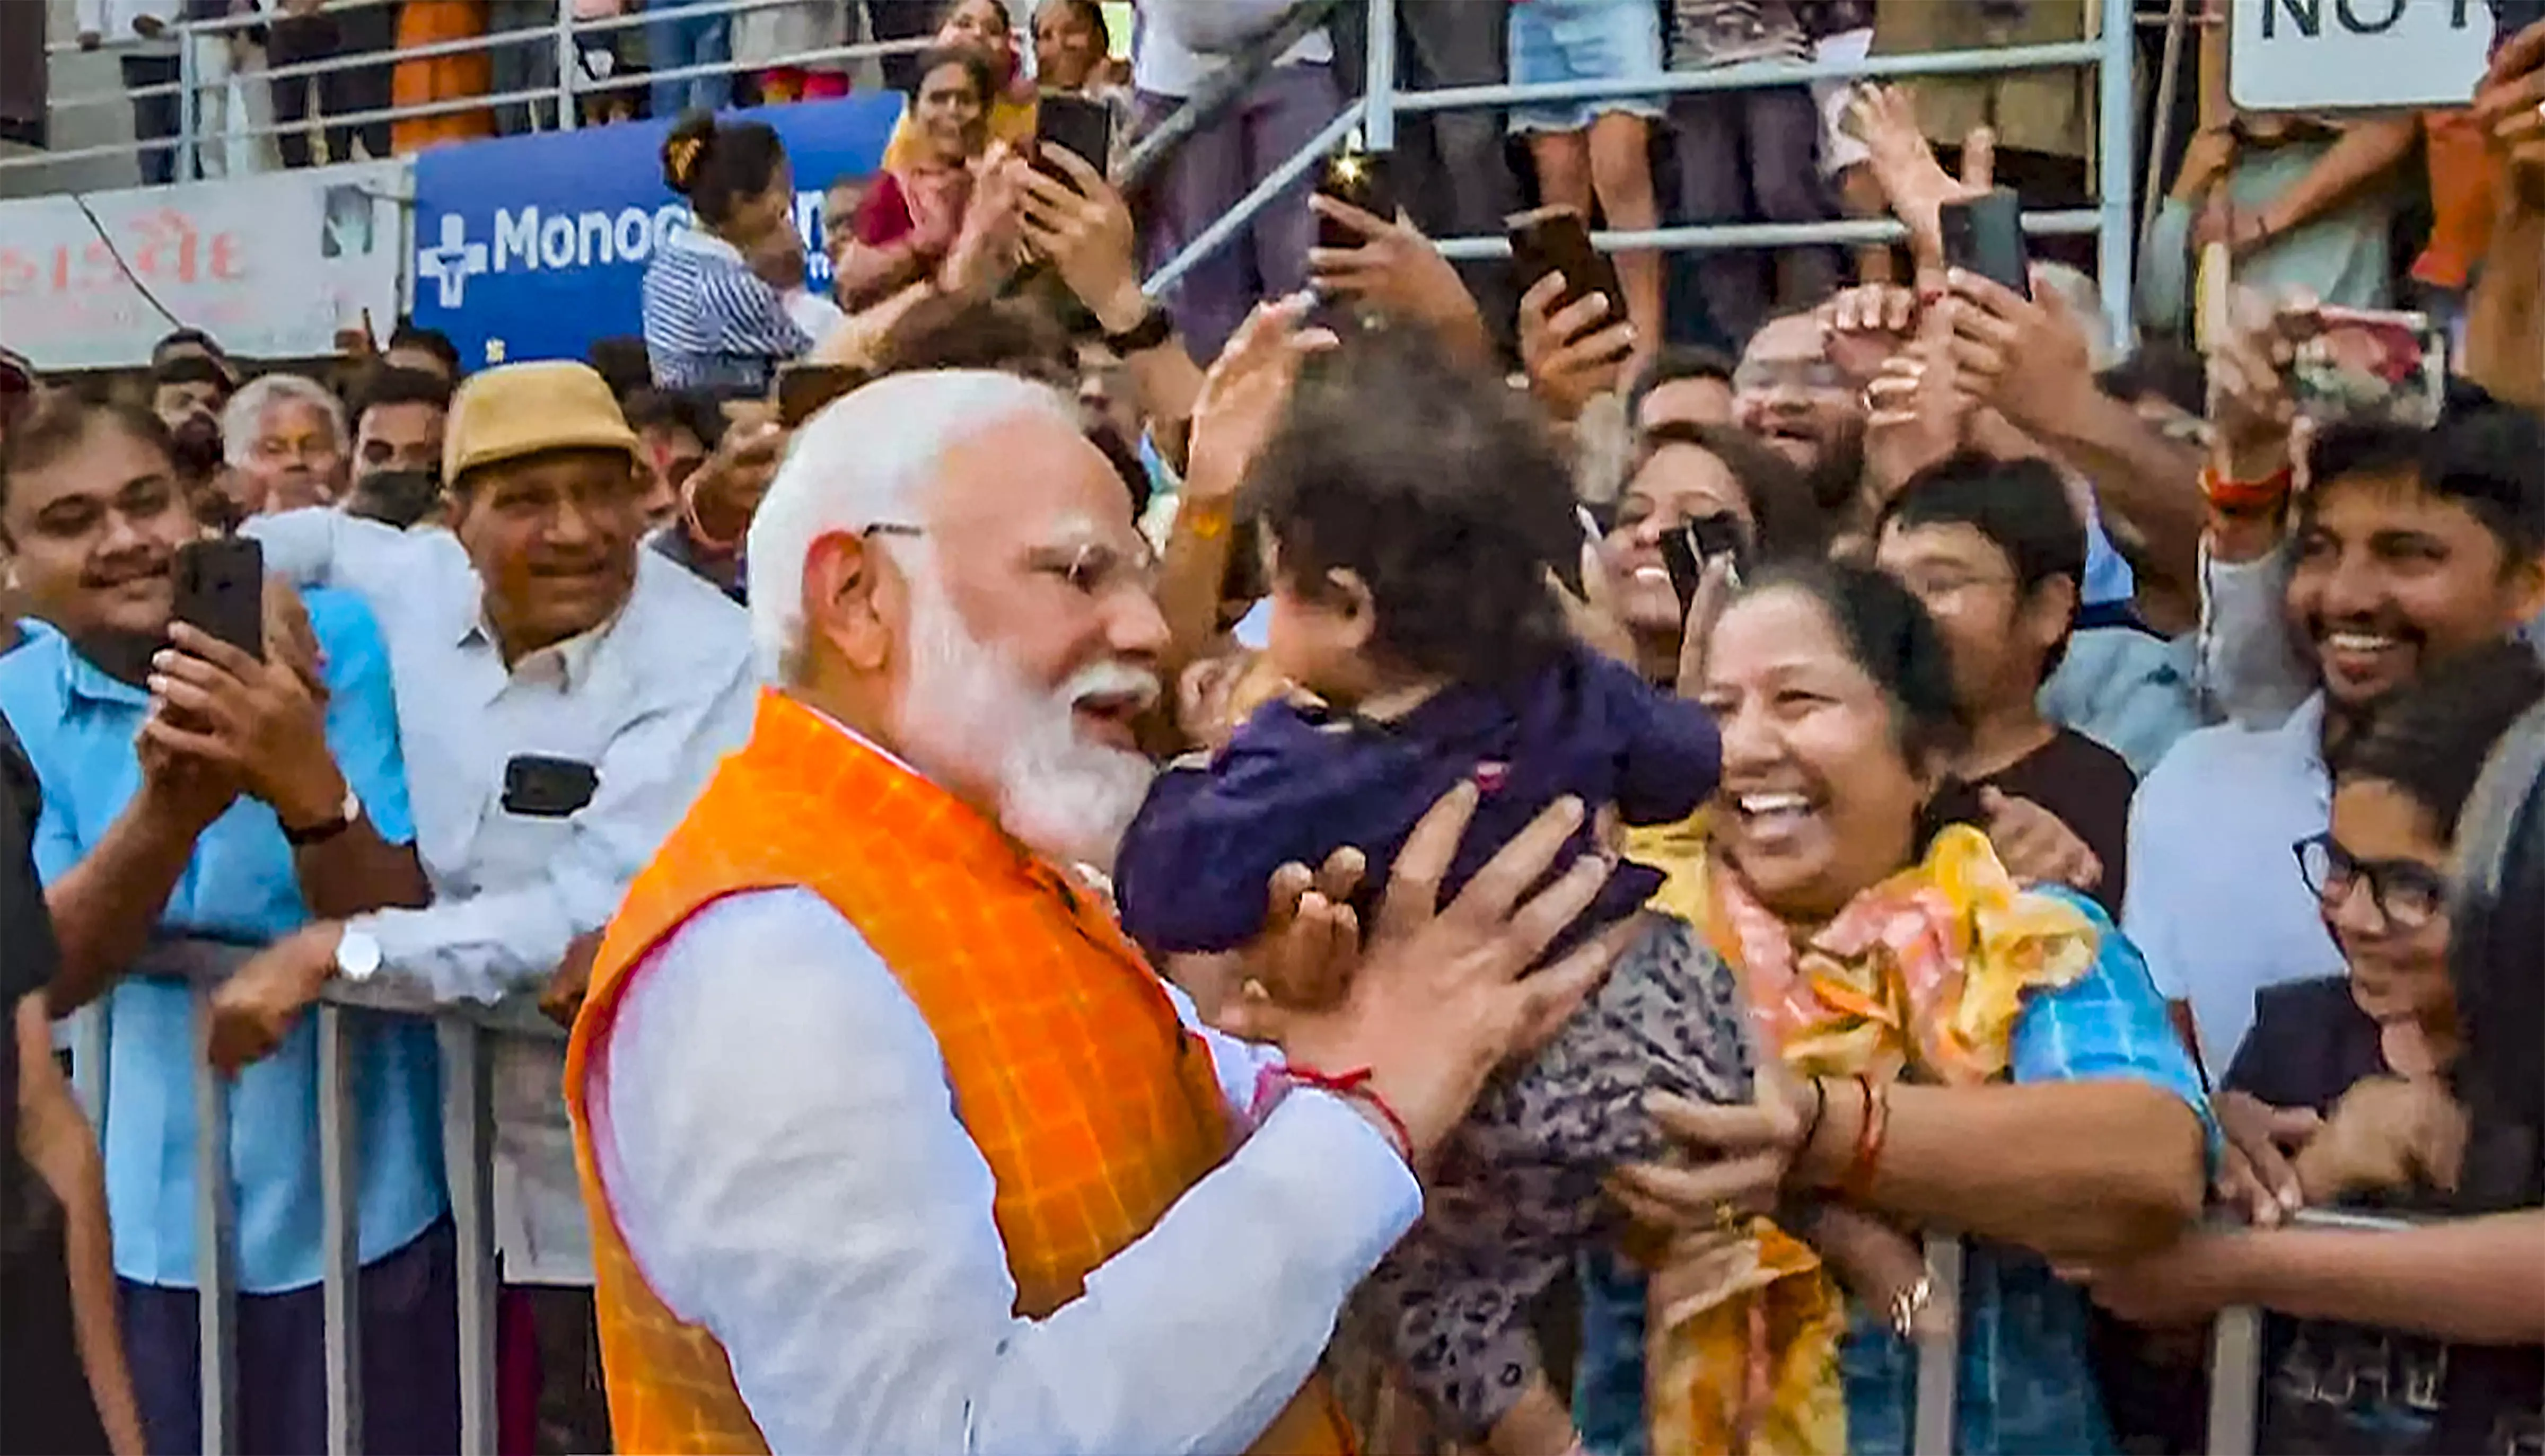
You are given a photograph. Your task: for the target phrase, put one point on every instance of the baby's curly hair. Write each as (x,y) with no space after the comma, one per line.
(1439,487)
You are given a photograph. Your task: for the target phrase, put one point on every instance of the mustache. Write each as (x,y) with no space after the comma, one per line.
(1112,680)
(571,563)
(2318,626)
(124,567)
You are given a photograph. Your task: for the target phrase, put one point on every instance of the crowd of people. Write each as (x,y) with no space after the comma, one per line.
(1353,859)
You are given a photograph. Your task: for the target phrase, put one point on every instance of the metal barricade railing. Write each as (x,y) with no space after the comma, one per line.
(2234,1421)
(2236,1345)
(467,1137)
(2111,52)
(562,96)
(468,1146)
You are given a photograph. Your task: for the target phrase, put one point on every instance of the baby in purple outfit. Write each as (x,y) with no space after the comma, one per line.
(1411,551)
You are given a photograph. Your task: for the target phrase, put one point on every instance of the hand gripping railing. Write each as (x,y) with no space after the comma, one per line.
(2236,1345)
(467,1137)
(2235,1349)
(2111,52)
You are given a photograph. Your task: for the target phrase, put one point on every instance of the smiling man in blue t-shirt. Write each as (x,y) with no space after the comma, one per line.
(193,792)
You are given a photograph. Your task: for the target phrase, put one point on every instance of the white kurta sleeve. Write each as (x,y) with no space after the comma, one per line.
(780,1145)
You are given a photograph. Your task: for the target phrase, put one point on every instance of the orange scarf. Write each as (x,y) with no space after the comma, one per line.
(1092,1105)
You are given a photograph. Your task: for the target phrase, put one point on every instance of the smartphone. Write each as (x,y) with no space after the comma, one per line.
(221,591)
(536,787)
(1084,127)
(1366,179)
(1985,236)
(804,389)
(1720,535)
(1700,539)
(1555,239)
(2372,365)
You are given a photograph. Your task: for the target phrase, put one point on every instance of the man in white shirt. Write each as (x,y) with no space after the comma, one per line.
(561,694)
(145,35)
(892,1141)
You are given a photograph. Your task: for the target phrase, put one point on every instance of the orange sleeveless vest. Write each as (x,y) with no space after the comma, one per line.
(1092,1105)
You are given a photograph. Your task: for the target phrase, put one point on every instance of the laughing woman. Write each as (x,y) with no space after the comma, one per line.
(1956,1053)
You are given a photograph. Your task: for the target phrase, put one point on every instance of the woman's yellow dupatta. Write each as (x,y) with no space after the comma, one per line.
(1921,975)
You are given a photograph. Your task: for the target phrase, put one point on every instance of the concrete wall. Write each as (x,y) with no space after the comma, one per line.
(88,110)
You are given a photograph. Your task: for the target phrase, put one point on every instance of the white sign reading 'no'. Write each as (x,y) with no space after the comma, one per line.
(2349,55)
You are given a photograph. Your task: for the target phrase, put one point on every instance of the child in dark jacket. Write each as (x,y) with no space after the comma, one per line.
(1410,552)
(1413,614)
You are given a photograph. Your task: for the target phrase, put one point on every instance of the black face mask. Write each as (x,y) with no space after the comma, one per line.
(197,445)
(399,498)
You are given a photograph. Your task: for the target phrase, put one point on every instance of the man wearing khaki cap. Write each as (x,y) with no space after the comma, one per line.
(562,695)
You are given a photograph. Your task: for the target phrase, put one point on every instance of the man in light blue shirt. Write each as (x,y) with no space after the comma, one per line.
(196,793)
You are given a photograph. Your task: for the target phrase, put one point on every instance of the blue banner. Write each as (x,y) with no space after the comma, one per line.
(533,247)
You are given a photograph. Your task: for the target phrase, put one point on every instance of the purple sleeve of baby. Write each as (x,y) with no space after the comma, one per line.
(1194,870)
(1182,879)
(1669,755)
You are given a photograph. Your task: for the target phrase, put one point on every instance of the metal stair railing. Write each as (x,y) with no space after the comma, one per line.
(2111,52)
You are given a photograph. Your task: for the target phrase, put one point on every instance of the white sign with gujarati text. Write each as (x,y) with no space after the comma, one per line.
(2337,56)
(271,264)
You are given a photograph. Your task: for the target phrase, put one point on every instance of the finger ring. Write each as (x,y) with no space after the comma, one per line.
(1908,1304)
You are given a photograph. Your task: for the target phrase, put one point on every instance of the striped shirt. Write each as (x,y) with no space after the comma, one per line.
(711,322)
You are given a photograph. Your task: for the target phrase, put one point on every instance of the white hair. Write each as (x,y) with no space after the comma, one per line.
(970,712)
(862,461)
(243,419)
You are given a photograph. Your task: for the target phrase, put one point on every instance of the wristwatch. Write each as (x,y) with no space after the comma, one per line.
(1155,328)
(321,832)
(357,955)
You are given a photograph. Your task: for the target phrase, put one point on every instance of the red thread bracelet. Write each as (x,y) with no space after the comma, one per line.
(2246,497)
(1354,1087)
(1858,1181)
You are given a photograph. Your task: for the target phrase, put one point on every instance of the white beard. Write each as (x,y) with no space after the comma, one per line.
(966,707)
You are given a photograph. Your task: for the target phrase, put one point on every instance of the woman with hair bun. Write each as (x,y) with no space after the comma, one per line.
(724,301)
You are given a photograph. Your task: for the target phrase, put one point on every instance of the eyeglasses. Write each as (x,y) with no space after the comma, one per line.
(1093,568)
(2408,893)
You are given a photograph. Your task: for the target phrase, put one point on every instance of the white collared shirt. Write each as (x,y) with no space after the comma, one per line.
(2216,903)
(772,1122)
(652,700)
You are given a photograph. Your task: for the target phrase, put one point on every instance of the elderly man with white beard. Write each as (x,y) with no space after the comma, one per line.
(891,1142)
